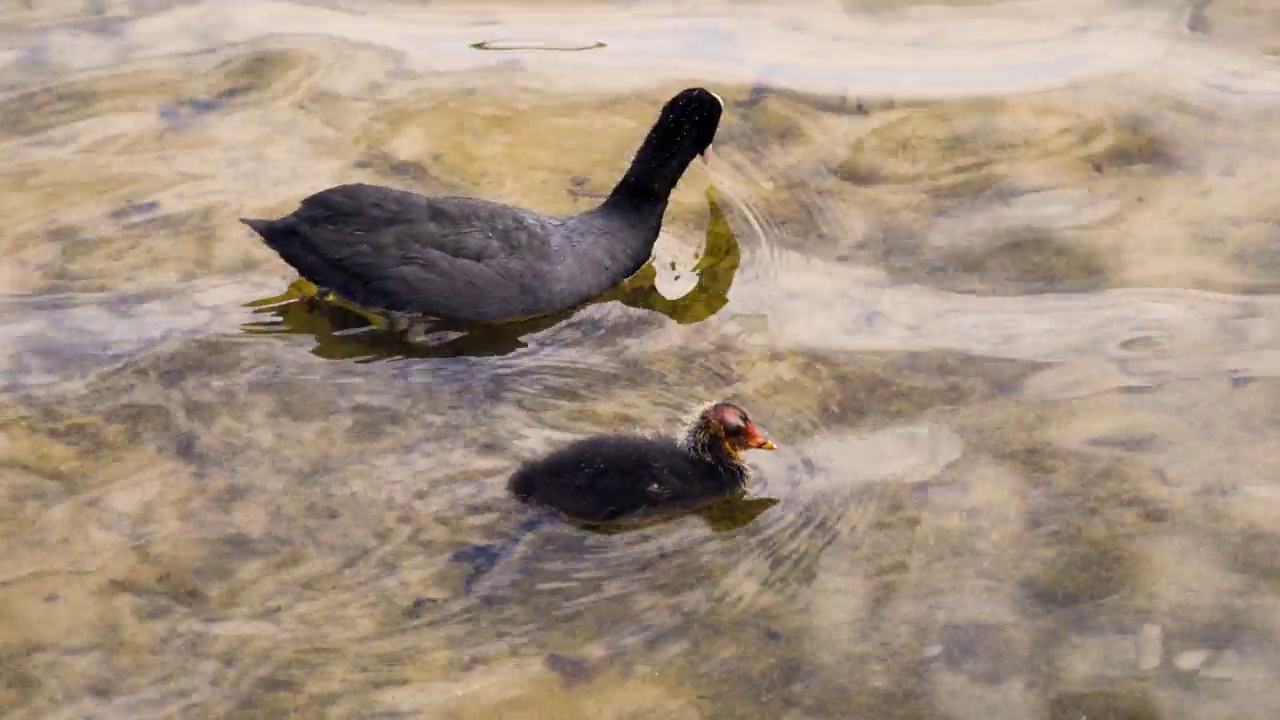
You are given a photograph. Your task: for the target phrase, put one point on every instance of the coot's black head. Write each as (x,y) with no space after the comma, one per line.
(685,128)
(724,430)
(690,119)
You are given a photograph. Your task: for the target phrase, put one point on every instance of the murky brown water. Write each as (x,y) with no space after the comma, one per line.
(1000,278)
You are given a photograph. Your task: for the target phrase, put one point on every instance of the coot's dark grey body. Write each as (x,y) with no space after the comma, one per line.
(602,479)
(623,477)
(466,259)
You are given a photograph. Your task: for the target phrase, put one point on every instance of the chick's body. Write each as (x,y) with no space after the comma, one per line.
(614,477)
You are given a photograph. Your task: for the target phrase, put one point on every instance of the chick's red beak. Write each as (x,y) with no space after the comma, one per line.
(758,441)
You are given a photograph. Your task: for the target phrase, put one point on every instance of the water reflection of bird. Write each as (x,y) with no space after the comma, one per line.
(469,260)
(614,483)
(346,331)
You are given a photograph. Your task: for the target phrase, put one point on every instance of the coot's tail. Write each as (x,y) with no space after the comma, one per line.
(268,229)
(258,226)
(279,235)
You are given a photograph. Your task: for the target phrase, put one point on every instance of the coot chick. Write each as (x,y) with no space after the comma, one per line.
(611,478)
(471,260)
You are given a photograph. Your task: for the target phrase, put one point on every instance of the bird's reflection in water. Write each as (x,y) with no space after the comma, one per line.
(724,515)
(730,513)
(346,332)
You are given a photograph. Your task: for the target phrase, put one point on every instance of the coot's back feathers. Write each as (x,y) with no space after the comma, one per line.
(458,258)
(611,477)
(366,243)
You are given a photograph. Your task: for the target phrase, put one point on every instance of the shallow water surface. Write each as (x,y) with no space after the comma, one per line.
(998,277)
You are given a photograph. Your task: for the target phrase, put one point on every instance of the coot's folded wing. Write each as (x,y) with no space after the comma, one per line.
(454,258)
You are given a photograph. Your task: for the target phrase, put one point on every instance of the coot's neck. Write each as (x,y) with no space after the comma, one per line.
(711,451)
(646,187)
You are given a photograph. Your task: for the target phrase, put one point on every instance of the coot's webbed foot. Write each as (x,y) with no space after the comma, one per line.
(416,333)
(480,558)
(399,322)
(483,557)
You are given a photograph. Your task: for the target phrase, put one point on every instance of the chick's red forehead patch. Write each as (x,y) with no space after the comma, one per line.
(731,414)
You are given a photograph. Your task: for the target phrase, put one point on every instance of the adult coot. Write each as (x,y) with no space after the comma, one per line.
(465,259)
(611,478)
